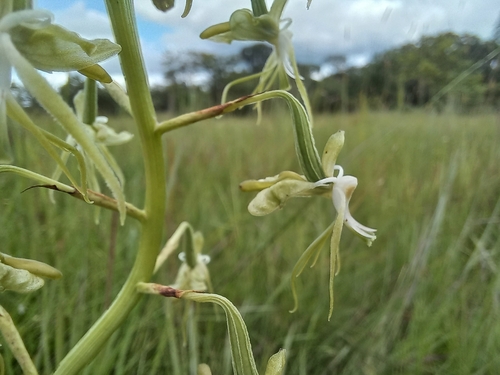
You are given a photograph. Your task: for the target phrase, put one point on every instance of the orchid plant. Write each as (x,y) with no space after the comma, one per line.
(30,41)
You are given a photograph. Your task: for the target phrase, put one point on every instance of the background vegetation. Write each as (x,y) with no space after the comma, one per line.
(424,299)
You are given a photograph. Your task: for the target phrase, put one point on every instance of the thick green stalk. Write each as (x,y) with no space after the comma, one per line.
(259,7)
(90,106)
(125,30)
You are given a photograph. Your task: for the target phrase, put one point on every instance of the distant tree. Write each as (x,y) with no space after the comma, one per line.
(71,87)
(496,31)
(255,56)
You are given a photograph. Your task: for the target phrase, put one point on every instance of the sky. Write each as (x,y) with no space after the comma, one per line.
(357,29)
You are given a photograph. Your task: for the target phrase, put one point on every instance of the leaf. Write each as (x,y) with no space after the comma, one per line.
(305,147)
(55,105)
(37,177)
(241,348)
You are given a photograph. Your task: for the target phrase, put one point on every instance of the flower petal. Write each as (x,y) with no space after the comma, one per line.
(341,195)
(331,152)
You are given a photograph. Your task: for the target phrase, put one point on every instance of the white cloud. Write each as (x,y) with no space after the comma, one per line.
(355,28)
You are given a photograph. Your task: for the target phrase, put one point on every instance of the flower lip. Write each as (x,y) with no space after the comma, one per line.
(325,181)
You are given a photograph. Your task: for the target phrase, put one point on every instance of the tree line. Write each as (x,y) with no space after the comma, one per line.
(461,72)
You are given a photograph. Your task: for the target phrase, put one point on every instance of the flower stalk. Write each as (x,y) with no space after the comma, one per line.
(124,27)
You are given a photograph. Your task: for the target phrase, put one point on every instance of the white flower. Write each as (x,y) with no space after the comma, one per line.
(275,191)
(343,188)
(243,25)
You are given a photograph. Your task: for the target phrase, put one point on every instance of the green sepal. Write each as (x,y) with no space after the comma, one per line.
(277,8)
(203,369)
(264,183)
(335,255)
(54,48)
(276,364)
(18,280)
(275,197)
(331,152)
(244,26)
(190,240)
(187,8)
(97,73)
(32,266)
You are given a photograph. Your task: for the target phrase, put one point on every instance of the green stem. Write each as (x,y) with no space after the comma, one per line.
(122,19)
(90,104)
(259,7)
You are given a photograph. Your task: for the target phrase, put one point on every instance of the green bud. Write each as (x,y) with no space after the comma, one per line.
(276,364)
(203,369)
(276,196)
(164,5)
(54,48)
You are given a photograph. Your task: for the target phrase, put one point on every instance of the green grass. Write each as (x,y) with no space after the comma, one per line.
(424,299)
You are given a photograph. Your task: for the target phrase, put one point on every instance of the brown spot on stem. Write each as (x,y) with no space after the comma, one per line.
(167,291)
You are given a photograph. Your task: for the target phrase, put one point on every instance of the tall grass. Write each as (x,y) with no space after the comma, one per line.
(424,299)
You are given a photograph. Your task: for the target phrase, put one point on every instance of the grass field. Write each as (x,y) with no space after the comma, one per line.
(424,299)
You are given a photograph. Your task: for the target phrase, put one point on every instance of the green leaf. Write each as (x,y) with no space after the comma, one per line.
(304,141)
(241,348)
(54,104)
(37,177)
(47,140)
(54,48)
